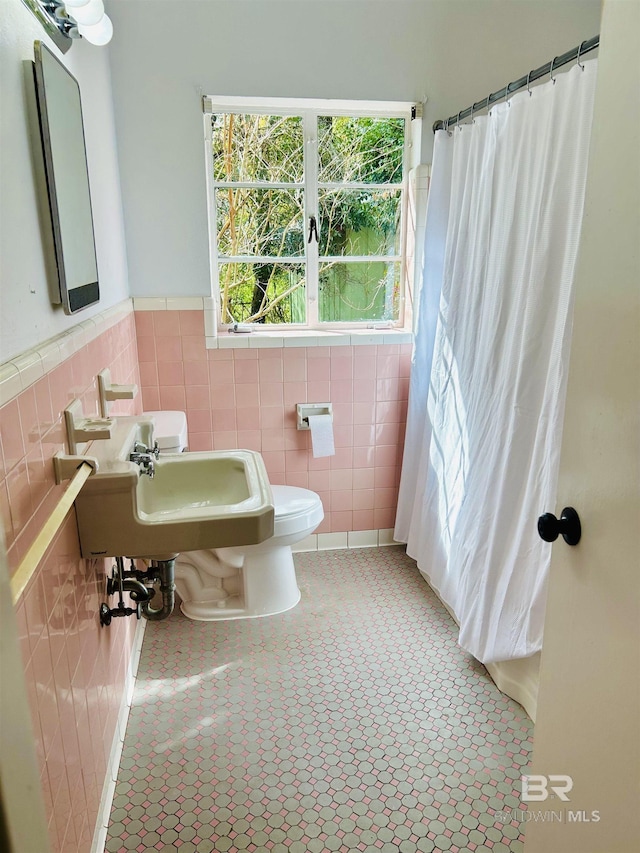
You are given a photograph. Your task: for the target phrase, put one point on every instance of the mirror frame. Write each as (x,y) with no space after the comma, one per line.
(74,296)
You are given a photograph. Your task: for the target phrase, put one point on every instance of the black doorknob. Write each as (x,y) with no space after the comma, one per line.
(549,527)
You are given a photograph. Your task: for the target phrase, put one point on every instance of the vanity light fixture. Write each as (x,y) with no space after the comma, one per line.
(65,20)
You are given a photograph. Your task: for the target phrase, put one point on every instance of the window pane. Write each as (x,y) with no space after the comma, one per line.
(263,293)
(260,222)
(352,292)
(257,148)
(359,222)
(360,150)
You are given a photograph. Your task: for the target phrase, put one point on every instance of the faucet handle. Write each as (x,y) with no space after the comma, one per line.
(139,447)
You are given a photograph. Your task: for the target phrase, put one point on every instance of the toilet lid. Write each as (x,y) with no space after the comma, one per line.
(292,500)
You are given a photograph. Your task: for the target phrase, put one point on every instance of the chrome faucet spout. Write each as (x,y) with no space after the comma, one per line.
(145,461)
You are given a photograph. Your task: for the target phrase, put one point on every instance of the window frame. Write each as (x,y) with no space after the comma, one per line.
(310,109)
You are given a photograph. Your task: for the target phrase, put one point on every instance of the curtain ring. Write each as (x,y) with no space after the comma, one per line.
(458,125)
(506,95)
(472,106)
(553,79)
(528,78)
(580,65)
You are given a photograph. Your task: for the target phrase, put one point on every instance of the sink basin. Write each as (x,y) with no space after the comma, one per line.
(195,484)
(195,500)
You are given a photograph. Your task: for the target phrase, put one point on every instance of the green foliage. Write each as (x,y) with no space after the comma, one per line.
(362,150)
(257,148)
(248,283)
(269,222)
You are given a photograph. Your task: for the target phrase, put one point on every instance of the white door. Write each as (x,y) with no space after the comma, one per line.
(588,721)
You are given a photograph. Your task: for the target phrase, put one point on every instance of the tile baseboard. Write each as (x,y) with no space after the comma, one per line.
(351,539)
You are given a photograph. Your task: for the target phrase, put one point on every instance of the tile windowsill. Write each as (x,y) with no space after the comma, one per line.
(263,340)
(313,338)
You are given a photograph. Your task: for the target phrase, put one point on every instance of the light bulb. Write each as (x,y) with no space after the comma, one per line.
(73,4)
(99,33)
(88,14)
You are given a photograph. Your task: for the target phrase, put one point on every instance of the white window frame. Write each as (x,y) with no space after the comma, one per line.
(309,109)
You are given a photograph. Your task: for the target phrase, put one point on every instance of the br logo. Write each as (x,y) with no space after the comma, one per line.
(536,788)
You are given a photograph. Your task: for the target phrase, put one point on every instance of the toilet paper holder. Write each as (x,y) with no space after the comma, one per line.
(304,410)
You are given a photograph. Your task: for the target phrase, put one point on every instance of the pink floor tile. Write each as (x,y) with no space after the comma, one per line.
(353,722)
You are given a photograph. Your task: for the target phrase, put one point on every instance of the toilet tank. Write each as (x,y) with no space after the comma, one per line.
(170,430)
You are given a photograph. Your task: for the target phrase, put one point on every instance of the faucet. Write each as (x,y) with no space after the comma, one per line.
(145,458)
(138,447)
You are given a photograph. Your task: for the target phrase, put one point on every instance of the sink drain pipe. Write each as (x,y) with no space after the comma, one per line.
(164,570)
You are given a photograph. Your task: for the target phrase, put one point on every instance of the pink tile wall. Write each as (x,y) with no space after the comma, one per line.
(247,398)
(75,670)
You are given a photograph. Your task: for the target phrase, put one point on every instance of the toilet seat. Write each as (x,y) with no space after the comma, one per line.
(295,509)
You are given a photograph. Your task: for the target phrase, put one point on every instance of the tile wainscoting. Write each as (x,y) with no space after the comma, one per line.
(243,394)
(76,672)
(246,397)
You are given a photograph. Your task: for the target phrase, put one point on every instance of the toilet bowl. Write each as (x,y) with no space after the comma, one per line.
(252,580)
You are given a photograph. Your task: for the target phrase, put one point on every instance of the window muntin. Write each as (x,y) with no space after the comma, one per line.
(270,173)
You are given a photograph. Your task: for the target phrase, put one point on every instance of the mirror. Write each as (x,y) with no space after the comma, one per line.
(65,160)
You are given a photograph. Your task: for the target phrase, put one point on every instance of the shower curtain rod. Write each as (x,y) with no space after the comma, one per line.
(531,77)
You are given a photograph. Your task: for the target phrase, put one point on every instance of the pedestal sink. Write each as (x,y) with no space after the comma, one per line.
(194,500)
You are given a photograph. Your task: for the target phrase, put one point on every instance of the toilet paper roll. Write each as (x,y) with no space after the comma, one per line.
(321,427)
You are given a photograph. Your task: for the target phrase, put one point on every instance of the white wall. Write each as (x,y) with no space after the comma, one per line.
(165,55)
(27,316)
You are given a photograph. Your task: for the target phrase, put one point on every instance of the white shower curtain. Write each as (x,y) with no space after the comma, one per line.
(491,357)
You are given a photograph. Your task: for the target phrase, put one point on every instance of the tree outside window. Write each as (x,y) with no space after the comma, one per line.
(309,212)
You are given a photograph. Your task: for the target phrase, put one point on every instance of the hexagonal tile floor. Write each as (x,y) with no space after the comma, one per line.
(354,722)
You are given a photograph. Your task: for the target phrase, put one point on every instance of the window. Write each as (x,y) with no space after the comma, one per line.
(307,211)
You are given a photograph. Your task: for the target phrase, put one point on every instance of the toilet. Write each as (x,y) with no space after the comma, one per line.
(250,580)
(170,430)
